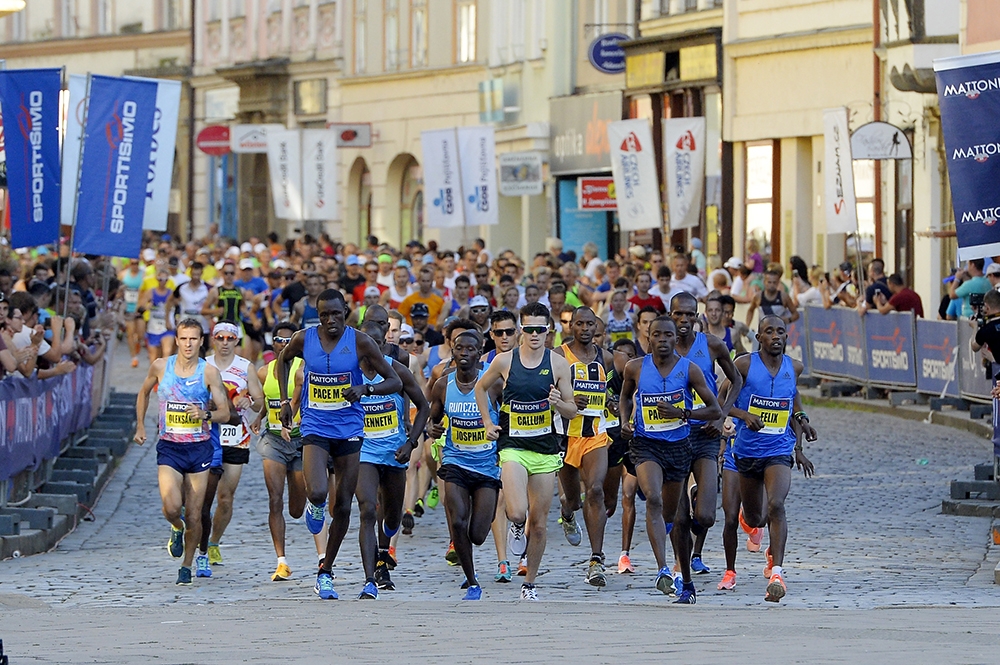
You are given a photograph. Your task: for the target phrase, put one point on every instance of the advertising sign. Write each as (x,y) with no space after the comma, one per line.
(838,174)
(443,207)
(521,174)
(478,164)
(889,341)
(937,357)
(684,161)
(633,165)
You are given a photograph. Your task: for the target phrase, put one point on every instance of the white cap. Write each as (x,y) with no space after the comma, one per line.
(246,264)
(259,247)
(372,291)
(405,330)
(149,255)
(280,264)
(479,301)
(734,262)
(993,269)
(233,251)
(246,248)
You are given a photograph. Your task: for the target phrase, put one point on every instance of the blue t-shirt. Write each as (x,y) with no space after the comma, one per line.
(255,285)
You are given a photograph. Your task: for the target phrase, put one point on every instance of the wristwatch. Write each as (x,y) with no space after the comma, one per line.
(370,389)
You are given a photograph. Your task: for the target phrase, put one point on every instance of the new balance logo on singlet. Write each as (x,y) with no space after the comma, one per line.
(544,372)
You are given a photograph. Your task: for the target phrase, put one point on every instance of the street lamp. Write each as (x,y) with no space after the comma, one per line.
(8,7)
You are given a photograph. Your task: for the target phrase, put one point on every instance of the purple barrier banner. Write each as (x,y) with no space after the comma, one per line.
(937,357)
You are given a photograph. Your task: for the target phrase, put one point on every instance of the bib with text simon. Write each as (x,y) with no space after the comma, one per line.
(326,391)
(596,392)
(530,418)
(651,419)
(773,412)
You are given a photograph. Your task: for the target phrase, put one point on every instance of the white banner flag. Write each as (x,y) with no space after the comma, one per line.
(284,160)
(442,179)
(477,158)
(841,209)
(161,153)
(72,138)
(633,165)
(319,174)
(684,154)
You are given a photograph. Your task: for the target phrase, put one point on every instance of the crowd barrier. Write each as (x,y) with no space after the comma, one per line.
(896,351)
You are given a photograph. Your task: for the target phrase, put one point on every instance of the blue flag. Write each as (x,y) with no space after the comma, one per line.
(30,100)
(968,89)
(114,168)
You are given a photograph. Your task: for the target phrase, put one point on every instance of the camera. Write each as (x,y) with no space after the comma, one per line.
(976,303)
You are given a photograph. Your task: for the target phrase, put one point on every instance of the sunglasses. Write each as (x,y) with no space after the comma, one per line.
(406,340)
(535,330)
(225,338)
(279,340)
(418,342)
(504,332)
(228,272)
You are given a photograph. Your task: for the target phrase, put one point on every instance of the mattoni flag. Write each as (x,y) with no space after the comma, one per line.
(633,165)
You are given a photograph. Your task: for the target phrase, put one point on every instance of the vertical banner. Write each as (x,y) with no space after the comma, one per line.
(161,153)
(477,161)
(72,144)
(113,174)
(284,161)
(633,165)
(684,157)
(838,178)
(969,97)
(319,174)
(30,101)
(442,179)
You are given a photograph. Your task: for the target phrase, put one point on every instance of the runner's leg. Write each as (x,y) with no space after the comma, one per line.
(231,474)
(650,478)
(458,509)
(274,479)
(731,510)
(593,470)
(367,493)
(345,468)
(777,481)
(540,488)
(194,496)
(211,486)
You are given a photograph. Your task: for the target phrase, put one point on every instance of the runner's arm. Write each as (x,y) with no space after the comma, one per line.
(754,301)
(412,390)
(497,371)
(437,409)
(292,350)
(792,308)
(142,399)
(696,379)
(256,391)
(733,375)
(209,308)
(213,379)
(367,350)
(629,382)
(563,384)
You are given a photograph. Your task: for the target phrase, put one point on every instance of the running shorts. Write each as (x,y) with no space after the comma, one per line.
(184,457)
(157,340)
(466,479)
(578,446)
(617,451)
(272,447)
(753,467)
(534,463)
(703,446)
(673,457)
(334,447)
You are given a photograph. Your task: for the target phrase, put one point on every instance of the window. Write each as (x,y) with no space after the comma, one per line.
(759,198)
(310,97)
(690,5)
(237,8)
(418,41)
(214,10)
(864,191)
(67,18)
(391,40)
(466,31)
(600,18)
(18,26)
(360,35)
(274,6)
(104,20)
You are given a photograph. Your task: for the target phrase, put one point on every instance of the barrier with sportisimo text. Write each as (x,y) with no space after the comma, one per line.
(836,343)
(937,357)
(796,345)
(973,378)
(889,342)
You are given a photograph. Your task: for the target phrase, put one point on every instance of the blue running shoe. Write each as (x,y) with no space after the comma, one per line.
(202,569)
(687,596)
(184,576)
(698,566)
(678,583)
(663,580)
(369,592)
(473,593)
(324,587)
(315,516)
(175,546)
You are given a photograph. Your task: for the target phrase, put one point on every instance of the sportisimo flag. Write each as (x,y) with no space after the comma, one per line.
(684,154)
(30,100)
(72,143)
(969,97)
(633,165)
(115,166)
(477,160)
(841,206)
(284,161)
(161,153)
(319,174)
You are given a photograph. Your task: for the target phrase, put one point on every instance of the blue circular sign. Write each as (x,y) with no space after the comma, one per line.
(605,53)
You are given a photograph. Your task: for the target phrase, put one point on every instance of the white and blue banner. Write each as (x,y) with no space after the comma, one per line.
(284,161)
(161,153)
(443,205)
(319,175)
(969,97)
(478,163)
(72,142)
(118,136)
(30,101)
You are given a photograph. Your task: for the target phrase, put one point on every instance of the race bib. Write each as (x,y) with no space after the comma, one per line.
(772,412)
(179,423)
(131,296)
(530,418)
(274,415)
(326,391)
(696,401)
(233,436)
(651,420)
(624,334)
(596,392)
(381,419)
(469,433)
(157,325)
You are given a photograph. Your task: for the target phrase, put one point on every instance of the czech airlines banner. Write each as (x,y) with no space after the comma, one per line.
(115,165)
(319,174)
(838,193)
(633,165)
(161,153)
(684,154)
(72,143)
(477,160)
(969,97)
(30,101)
(284,160)
(443,206)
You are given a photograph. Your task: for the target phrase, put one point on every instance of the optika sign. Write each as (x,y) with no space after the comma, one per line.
(972,89)
(980,152)
(29,120)
(119,132)
(987,216)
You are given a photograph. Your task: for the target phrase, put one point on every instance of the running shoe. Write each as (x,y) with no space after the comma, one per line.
(522,566)
(503,573)
(324,586)
(687,595)
(433,498)
(664,582)
(474,592)
(754,534)
(595,574)
(625,565)
(202,569)
(281,573)
(728,582)
(184,576)
(571,530)
(451,556)
(407,523)
(315,516)
(770,563)
(418,510)
(390,558)
(775,589)
(698,567)
(175,546)
(517,541)
(678,583)
(214,555)
(382,579)
(368,592)
(135,362)
(528,592)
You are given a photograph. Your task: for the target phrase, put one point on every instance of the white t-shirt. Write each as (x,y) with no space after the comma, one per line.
(690,284)
(737,288)
(592,266)
(719,271)
(23,339)
(811,296)
(665,297)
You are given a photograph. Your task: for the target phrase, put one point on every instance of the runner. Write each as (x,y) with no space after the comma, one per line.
(586,456)
(185,383)
(620,468)
(643,320)
(304,312)
(469,459)
(618,319)
(659,384)
(159,328)
(332,419)
(769,427)
(132,278)
(191,296)
(534,382)
(713,323)
(773,301)
(225,302)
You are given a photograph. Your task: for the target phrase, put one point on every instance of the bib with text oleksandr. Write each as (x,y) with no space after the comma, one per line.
(381,419)
(326,391)
(596,392)
(469,433)
(178,422)
(773,412)
(651,419)
(530,418)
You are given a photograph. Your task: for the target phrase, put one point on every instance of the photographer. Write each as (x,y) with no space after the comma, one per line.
(988,339)
(967,282)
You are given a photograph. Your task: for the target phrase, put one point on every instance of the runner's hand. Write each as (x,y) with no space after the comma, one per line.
(802,462)
(613,407)
(809,431)
(354,393)
(754,422)
(581,402)
(492,432)
(404,451)
(285,416)
(255,425)
(140,434)
(435,430)
(195,411)
(664,410)
(714,428)
(554,394)
(627,429)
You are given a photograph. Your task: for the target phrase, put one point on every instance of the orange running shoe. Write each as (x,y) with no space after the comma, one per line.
(625,565)
(770,563)
(754,534)
(522,567)
(451,556)
(775,589)
(728,582)
(135,362)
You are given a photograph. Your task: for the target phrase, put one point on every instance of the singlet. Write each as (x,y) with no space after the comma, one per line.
(613,423)
(230,301)
(589,379)
(282,304)
(272,393)
(175,394)
(433,358)
(384,424)
(325,410)
(772,307)
(617,329)
(526,415)
(396,298)
(132,284)
(770,398)
(234,378)
(701,355)
(465,443)
(654,388)
(310,315)
(192,299)
(157,324)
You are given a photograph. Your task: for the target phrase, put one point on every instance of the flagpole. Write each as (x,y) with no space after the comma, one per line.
(62,150)
(76,195)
